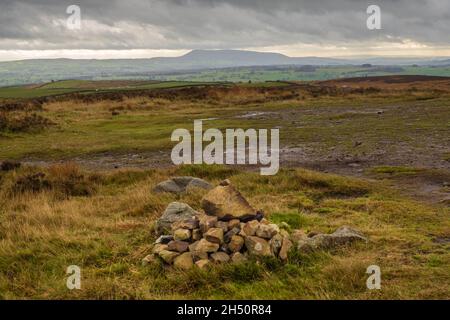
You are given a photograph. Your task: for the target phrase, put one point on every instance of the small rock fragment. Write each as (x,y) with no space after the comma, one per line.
(257,246)
(207,222)
(149,260)
(275,244)
(267,231)
(202,263)
(222,225)
(157,248)
(250,228)
(168,256)
(196,234)
(183,261)
(204,246)
(234,223)
(227,237)
(165,239)
(238,257)
(236,243)
(285,247)
(214,235)
(190,224)
(178,246)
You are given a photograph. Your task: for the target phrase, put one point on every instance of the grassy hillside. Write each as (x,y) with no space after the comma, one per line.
(91,157)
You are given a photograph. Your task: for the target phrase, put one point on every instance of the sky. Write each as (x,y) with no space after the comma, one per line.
(149,28)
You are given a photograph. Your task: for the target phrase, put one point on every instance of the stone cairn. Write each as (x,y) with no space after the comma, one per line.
(229,230)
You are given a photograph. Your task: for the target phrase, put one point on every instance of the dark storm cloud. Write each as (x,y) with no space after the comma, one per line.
(181,24)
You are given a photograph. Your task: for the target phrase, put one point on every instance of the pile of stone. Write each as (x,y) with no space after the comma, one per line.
(229,230)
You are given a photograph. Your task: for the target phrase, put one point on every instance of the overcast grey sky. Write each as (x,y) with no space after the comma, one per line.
(145,28)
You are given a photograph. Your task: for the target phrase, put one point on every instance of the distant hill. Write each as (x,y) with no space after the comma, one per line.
(45,70)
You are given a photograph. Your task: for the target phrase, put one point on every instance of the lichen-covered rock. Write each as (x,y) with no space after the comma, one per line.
(236,243)
(168,256)
(257,246)
(183,261)
(342,236)
(214,235)
(175,211)
(182,234)
(226,203)
(180,185)
(220,257)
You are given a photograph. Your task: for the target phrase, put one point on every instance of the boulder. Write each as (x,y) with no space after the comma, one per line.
(183,261)
(214,235)
(236,243)
(257,246)
(178,246)
(342,236)
(220,257)
(226,203)
(181,184)
(206,222)
(285,248)
(175,211)
(203,263)
(168,256)
(182,234)
(267,231)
